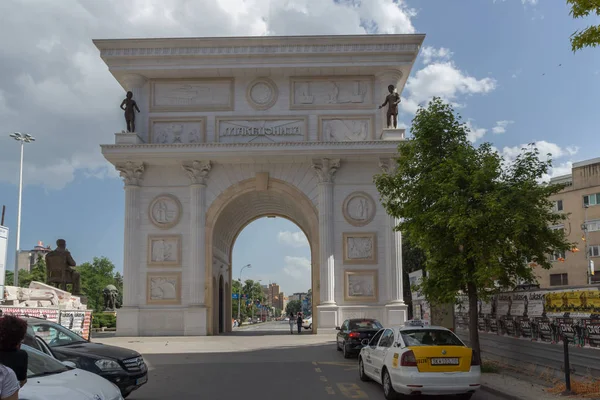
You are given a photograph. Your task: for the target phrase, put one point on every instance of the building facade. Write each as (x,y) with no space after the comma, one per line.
(580,201)
(235,129)
(28,258)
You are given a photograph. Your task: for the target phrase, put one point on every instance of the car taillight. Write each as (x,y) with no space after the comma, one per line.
(408,359)
(354,335)
(474,359)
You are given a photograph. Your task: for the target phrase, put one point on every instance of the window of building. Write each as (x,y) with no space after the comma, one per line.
(593,226)
(594,251)
(559,279)
(591,199)
(558,255)
(558,205)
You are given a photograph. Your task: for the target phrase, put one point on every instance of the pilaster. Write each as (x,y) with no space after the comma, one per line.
(195,321)
(135,83)
(325,170)
(132,174)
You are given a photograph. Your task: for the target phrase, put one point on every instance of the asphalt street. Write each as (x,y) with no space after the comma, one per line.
(293,372)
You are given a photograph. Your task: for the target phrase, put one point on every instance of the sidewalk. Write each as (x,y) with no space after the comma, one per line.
(512,388)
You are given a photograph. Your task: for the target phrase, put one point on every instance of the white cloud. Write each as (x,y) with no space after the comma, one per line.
(445,80)
(475,133)
(501,126)
(556,153)
(55,86)
(297,268)
(294,239)
(430,54)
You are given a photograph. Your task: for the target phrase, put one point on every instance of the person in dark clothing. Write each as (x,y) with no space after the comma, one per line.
(299,322)
(291,318)
(12,334)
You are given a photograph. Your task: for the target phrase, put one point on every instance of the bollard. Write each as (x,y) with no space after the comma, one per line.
(567,365)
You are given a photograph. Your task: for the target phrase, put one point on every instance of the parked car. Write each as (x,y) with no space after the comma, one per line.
(307,323)
(420,360)
(353,332)
(49,379)
(124,367)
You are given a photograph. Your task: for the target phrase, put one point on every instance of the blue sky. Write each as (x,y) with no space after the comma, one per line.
(507,65)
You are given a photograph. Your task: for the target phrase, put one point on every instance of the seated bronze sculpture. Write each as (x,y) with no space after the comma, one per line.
(59,268)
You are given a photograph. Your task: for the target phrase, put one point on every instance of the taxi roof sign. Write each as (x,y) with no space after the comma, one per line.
(417,322)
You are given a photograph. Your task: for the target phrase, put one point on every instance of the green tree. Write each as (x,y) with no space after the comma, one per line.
(479,221)
(95,276)
(590,36)
(25,277)
(294,306)
(9,277)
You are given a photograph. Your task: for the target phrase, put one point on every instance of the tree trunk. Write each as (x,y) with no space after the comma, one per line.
(473,317)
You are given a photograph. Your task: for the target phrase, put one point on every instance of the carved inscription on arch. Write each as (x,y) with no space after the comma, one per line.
(331,93)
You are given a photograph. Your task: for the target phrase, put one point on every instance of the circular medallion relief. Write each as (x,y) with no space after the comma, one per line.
(359,208)
(262,94)
(165,211)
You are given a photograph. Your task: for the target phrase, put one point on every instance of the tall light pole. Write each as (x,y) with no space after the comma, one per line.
(587,250)
(23,138)
(240,289)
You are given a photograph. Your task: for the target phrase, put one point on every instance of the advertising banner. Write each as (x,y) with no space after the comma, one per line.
(415,278)
(77,321)
(51,314)
(593,332)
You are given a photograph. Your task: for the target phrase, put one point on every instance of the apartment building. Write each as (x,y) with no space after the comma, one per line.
(580,200)
(273,295)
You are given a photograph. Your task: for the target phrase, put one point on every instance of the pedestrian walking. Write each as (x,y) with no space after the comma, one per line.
(299,322)
(292,320)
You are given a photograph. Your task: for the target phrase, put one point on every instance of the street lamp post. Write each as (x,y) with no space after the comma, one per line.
(240,289)
(23,138)
(587,250)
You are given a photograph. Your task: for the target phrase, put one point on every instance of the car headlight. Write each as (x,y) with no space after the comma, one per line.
(108,365)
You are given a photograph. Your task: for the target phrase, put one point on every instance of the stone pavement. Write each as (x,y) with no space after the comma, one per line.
(510,388)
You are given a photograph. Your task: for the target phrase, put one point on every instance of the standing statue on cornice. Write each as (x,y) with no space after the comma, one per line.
(129,105)
(392,100)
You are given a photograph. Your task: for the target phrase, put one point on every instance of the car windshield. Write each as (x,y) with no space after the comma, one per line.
(56,335)
(40,364)
(430,337)
(365,324)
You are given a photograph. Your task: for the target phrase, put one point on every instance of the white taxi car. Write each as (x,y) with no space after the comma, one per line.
(418,359)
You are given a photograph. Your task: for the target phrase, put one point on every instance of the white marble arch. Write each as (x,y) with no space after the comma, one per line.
(268,166)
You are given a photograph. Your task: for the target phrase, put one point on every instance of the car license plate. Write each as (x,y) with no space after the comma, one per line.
(444,361)
(141,380)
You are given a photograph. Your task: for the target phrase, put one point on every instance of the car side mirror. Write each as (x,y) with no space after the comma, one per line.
(365,342)
(337,328)
(69,364)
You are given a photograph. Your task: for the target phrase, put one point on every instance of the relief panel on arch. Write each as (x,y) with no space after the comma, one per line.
(331,93)
(341,128)
(191,95)
(177,130)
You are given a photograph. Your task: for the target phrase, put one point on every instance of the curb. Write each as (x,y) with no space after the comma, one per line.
(499,393)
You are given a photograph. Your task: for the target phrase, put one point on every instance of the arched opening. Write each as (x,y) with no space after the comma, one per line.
(231,212)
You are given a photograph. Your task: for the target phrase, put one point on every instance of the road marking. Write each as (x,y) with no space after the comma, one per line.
(352,391)
(323,379)
(317,369)
(339,364)
(329,390)
(314,363)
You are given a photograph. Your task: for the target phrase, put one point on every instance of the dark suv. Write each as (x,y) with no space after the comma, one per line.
(125,368)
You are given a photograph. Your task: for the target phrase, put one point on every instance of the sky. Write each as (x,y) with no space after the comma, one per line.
(506,65)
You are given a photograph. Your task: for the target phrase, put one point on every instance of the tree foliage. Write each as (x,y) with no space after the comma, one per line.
(413,259)
(294,306)
(254,296)
(95,276)
(478,220)
(590,36)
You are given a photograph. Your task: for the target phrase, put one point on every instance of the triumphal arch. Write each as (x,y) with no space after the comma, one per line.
(237,128)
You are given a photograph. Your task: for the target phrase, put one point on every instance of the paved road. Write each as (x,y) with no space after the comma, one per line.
(295,371)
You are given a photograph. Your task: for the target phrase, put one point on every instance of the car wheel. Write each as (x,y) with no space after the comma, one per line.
(310,326)
(125,394)
(388,390)
(361,371)
(345,351)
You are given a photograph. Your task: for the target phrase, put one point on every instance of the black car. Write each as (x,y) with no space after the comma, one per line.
(125,368)
(353,332)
